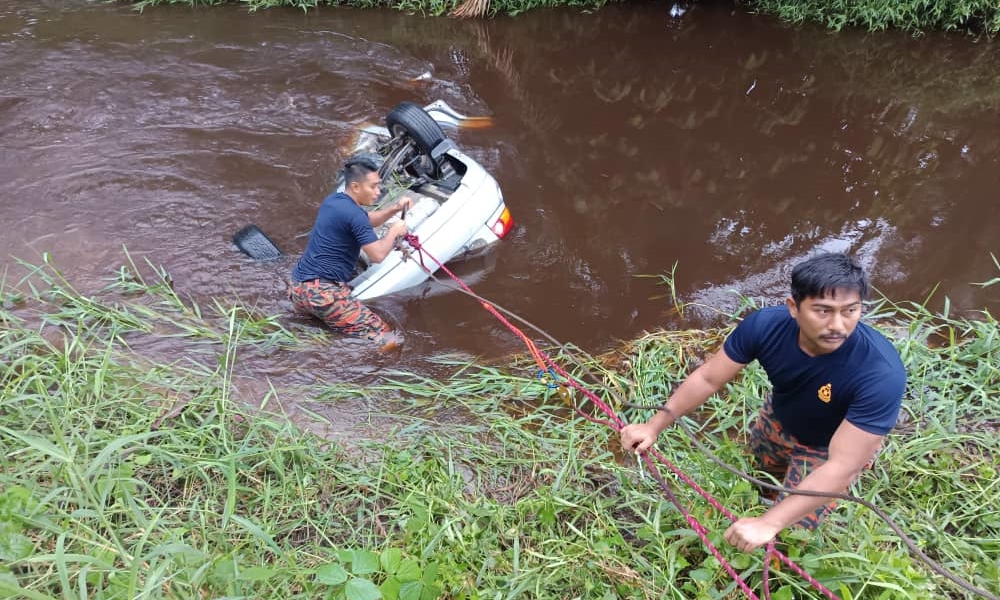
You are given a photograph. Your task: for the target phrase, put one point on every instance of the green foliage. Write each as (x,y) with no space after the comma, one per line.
(878,15)
(15,503)
(424,7)
(102,498)
(873,15)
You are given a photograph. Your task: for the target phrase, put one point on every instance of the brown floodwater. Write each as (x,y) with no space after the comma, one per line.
(626,142)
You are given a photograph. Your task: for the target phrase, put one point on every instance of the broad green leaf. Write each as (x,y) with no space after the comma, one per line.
(390,588)
(701,575)
(331,574)
(364,562)
(430,592)
(741,561)
(430,574)
(409,570)
(390,558)
(361,589)
(783,593)
(411,590)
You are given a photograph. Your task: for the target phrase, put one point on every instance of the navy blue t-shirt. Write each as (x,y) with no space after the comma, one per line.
(342,228)
(862,381)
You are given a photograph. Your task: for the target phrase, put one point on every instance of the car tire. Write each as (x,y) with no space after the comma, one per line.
(254,243)
(409,119)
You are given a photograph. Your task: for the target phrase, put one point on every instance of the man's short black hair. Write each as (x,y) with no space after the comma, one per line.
(357,168)
(824,274)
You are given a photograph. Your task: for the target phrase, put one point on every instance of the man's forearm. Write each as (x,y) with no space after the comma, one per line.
(689,395)
(378,217)
(796,506)
(381,248)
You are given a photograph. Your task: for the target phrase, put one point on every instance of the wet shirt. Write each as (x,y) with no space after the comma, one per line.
(342,228)
(862,381)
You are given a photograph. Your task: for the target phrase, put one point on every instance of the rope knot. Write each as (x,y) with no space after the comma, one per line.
(414,242)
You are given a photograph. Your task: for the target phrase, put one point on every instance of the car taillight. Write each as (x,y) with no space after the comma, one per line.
(503,224)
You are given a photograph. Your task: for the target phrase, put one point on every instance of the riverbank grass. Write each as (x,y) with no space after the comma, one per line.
(873,15)
(125,476)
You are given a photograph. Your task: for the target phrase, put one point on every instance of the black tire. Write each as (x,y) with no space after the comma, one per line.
(254,243)
(409,119)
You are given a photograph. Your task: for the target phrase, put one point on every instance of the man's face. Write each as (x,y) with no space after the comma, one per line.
(825,322)
(367,191)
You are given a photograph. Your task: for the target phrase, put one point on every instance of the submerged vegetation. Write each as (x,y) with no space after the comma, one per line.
(875,15)
(124,476)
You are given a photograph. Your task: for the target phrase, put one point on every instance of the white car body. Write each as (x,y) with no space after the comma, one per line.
(456,215)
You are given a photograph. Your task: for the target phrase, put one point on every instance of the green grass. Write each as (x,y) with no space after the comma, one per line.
(124,477)
(878,15)
(424,7)
(873,15)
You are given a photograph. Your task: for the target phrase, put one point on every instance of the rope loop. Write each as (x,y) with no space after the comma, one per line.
(549,378)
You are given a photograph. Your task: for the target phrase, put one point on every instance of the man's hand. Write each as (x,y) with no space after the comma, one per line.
(404,203)
(750,533)
(638,436)
(398,229)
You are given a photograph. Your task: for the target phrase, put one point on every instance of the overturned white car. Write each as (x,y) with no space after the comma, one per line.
(458,210)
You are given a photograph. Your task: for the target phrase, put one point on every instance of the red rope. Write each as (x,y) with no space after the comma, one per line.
(767,570)
(532,348)
(615,423)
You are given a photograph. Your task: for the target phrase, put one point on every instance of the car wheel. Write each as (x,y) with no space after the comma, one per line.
(255,243)
(408,119)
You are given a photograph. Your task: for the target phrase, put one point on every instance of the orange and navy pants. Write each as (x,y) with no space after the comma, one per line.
(332,303)
(780,454)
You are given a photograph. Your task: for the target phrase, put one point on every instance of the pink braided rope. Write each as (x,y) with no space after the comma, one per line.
(616,424)
(801,573)
(698,528)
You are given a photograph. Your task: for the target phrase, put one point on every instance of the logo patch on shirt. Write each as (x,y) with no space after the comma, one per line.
(825,392)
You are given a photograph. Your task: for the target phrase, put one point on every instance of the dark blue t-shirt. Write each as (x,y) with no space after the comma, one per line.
(342,228)
(862,381)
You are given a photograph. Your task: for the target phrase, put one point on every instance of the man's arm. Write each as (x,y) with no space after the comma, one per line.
(379,217)
(689,395)
(379,249)
(851,449)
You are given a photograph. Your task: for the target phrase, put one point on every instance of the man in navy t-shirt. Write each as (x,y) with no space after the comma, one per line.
(837,385)
(343,228)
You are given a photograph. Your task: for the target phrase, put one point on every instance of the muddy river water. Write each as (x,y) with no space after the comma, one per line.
(626,142)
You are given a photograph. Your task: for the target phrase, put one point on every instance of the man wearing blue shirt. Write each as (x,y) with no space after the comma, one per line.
(343,228)
(837,385)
